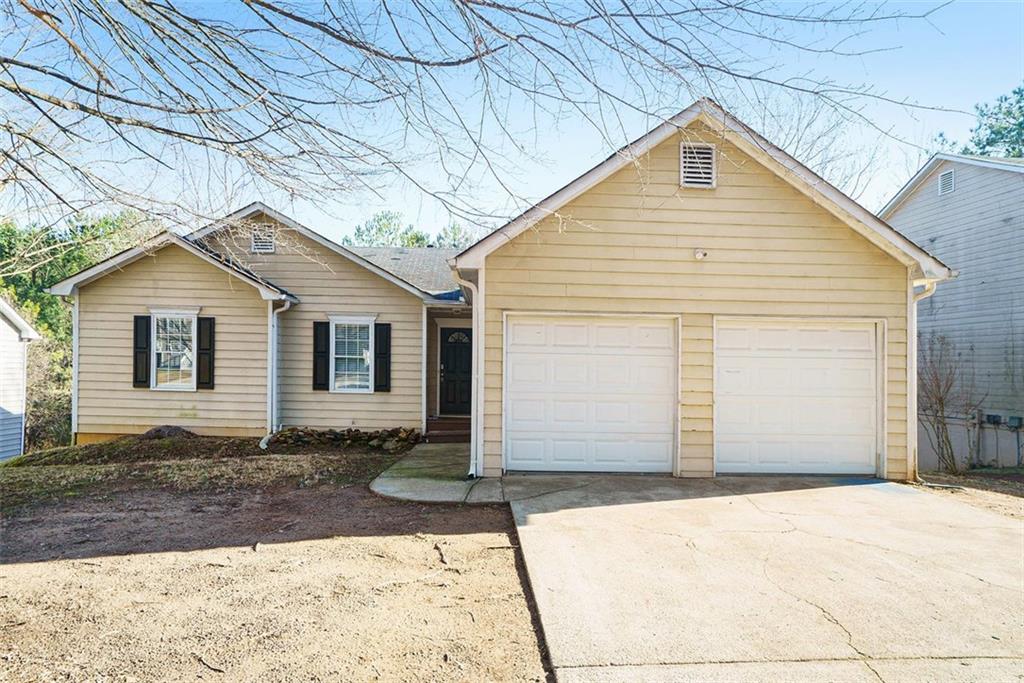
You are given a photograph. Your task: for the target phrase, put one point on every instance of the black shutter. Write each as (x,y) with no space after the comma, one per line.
(321,355)
(140,352)
(204,353)
(382,357)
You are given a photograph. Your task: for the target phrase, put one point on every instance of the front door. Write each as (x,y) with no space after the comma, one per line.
(456,370)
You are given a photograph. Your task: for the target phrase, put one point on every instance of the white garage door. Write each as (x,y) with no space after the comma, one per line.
(590,394)
(795,397)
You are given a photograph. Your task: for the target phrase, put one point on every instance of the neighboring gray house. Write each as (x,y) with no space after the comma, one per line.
(969,211)
(15,334)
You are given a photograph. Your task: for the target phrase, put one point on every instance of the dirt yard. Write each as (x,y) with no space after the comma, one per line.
(281,583)
(1000,491)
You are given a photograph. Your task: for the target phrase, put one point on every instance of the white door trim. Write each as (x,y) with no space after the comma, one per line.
(881,353)
(461,323)
(505,315)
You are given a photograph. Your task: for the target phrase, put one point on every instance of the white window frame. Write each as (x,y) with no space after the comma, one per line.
(266,233)
(714,165)
(154,313)
(952,181)
(368,320)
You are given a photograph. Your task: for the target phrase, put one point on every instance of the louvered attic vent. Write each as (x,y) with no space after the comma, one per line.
(262,241)
(697,165)
(946,184)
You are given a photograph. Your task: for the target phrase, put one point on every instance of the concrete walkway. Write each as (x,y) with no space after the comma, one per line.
(436,473)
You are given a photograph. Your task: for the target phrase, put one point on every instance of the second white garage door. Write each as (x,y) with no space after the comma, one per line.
(795,397)
(590,394)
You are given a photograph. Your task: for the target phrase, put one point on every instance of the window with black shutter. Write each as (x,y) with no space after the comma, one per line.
(321,355)
(141,352)
(382,357)
(205,328)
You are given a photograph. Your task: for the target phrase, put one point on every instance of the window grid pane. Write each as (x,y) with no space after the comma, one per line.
(174,345)
(352,356)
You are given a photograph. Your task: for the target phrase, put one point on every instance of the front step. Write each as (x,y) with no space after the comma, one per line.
(447,437)
(447,430)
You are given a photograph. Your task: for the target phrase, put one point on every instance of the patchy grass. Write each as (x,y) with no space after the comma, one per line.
(182,464)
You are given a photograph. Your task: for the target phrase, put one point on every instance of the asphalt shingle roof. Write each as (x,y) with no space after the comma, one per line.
(425,268)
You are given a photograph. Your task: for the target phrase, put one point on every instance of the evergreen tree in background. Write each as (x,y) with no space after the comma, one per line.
(32,259)
(454,236)
(999,132)
(388,229)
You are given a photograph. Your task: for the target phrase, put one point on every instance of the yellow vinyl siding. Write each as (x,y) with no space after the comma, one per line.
(326,284)
(626,246)
(171,278)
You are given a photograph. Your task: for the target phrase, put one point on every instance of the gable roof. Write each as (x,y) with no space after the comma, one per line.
(936,160)
(8,311)
(267,289)
(425,267)
(862,221)
(257,208)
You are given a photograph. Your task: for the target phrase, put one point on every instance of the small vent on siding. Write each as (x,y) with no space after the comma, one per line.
(262,241)
(697,165)
(946,182)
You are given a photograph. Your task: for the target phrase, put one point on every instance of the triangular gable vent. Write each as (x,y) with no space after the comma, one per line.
(697,165)
(946,183)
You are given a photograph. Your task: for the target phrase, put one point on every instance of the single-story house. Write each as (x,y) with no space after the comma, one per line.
(970,210)
(698,303)
(15,335)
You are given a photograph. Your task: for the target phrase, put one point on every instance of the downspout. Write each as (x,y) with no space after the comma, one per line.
(929,289)
(273,389)
(475,416)
(272,371)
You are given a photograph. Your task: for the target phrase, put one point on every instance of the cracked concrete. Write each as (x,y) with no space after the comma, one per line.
(769,578)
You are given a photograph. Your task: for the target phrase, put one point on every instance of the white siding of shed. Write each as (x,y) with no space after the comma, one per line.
(12,389)
(979,230)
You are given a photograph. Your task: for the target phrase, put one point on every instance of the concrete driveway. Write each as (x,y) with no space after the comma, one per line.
(770,578)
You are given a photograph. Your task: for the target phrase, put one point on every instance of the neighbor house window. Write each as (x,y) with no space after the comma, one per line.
(174,346)
(352,358)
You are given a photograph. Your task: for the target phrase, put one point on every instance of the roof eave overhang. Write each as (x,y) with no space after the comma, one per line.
(861,220)
(69,286)
(25,331)
(261,208)
(936,160)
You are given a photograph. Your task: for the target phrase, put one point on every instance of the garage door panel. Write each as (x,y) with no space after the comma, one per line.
(569,334)
(605,400)
(798,397)
(569,413)
(526,450)
(522,372)
(571,372)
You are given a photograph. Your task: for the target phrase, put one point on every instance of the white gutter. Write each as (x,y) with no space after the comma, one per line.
(475,418)
(272,365)
(74,365)
(914,298)
(929,289)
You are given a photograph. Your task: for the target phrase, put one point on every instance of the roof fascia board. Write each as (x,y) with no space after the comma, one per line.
(844,208)
(829,198)
(929,167)
(25,331)
(260,207)
(68,286)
